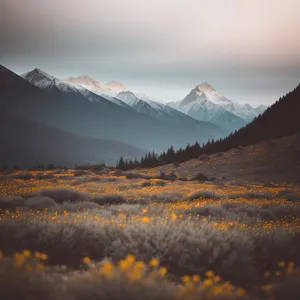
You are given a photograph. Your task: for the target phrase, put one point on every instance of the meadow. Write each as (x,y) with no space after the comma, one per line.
(106,234)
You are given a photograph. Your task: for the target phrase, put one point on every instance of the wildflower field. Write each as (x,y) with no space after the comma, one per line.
(69,234)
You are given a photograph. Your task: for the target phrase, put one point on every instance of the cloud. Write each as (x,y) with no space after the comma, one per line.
(150,40)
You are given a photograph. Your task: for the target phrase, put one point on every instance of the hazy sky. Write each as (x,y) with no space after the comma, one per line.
(248,49)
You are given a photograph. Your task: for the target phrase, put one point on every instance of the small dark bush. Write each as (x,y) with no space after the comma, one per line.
(40,203)
(41,176)
(250,194)
(117,173)
(7,205)
(109,199)
(182,179)
(81,173)
(204,157)
(208,194)
(289,195)
(61,195)
(22,176)
(134,176)
(200,177)
(163,176)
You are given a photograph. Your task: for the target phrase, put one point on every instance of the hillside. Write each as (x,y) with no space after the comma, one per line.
(26,143)
(270,161)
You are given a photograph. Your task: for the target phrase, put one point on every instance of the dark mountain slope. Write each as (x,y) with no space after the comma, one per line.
(27,143)
(279,120)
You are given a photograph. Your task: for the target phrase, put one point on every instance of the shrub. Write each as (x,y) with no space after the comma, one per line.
(146,184)
(154,182)
(172,176)
(15,200)
(109,199)
(204,157)
(251,194)
(117,173)
(40,203)
(166,197)
(79,206)
(289,195)
(208,194)
(22,176)
(200,177)
(41,176)
(134,176)
(61,195)
(81,172)
(6,204)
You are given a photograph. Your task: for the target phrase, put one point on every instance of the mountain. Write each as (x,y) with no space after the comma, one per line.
(111,88)
(26,143)
(156,110)
(45,81)
(228,120)
(278,121)
(86,114)
(206,104)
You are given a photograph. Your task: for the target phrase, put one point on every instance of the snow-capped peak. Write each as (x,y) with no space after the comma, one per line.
(205,100)
(116,85)
(37,75)
(43,80)
(205,87)
(110,89)
(205,90)
(128,97)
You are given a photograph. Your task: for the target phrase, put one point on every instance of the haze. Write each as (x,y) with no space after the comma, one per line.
(249,50)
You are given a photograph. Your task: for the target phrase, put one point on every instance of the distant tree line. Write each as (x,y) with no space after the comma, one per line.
(280,119)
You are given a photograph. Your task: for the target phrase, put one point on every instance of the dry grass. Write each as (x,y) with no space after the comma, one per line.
(248,235)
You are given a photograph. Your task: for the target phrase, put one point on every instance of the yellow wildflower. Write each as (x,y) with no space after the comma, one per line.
(153,262)
(130,258)
(207,282)
(107,269)
(86,260)
(162,271)
(19,259)
(209,274)
(43,256)
(186,279)
(27,253)
(196,278)
(145,219)
(240,292)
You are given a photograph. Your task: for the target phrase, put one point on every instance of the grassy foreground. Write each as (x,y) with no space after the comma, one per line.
(65,235)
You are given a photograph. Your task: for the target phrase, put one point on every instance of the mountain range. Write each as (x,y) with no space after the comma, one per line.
(119,118)
(53,104)
(206,104)
(203,103)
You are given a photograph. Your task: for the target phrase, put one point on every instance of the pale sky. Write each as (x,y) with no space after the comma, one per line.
(249,50)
